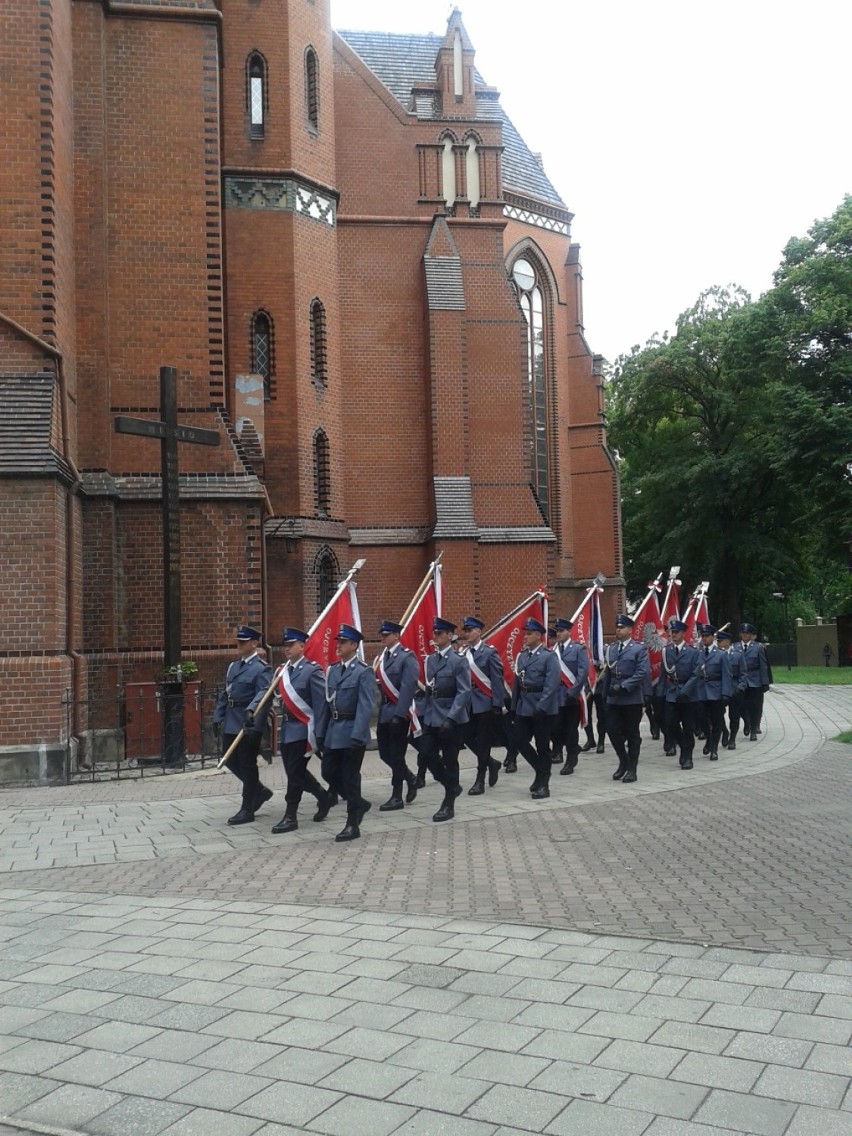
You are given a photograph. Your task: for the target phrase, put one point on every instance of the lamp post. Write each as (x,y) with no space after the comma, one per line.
(781,594)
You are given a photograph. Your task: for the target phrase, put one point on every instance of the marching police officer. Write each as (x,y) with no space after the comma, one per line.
(302,692)
(487,691)
(445,713)
(397,673)
(738,683)
(247,680)
(715,689)
(758,678)
(573,661)
(680,669)
(535,702)
(627,671)
(350,695)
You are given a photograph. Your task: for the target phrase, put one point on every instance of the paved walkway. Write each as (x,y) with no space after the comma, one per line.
(562,968)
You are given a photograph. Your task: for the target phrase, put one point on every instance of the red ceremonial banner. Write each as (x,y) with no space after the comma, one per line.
(343,608)
(508,635)
(416,632)
(646,629)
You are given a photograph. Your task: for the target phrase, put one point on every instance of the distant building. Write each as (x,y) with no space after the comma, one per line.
(368,285)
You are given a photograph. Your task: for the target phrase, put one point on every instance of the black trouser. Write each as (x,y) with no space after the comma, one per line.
(714,720)
(243,764)
(680,727)
(537,727)
(700,724)
(659,705)
(299,778)
(439,751)
(753,709)
(622,726)
(341,769)
(479,737)
(392,737)
(737,714)
(597,709)
(569,731)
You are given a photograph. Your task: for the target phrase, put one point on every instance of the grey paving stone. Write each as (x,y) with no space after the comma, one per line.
(503,1068)
(810,1121)
(426,1123)
(376,1044)
(260,999)
(174,1045)
(831,1059)
(119,1037)
(432,1056)
(658,1097)
(305,1033)
(758,975)
(834,1031)
(427,998)
(306,1066)
(235,1054)
(185,1016)
(573,1080)
(200,993)
(796,1001)
(563,1046)
(614,999)
(439,1027)
(745,1113)
(204,1121)
(693,967)
(668,1126)
(825,983)
(34,996)
(750,1018)
(835,1006)
(19,1089)
(368,1078)
(221,1090)
(14,1018)
(510,1038)
(434,1090)
(484,1006)
(474,982)
(94,1067)
(314,1006)
(639,1057)
(245,1024)
(136,1116)
(686,1035)
(36,1056)
(680,1009)
(69,1106)
(806,1086)
(158,1079)
(568,1018)
(718,1072)
(770,1049)
(518,1108)
(585,1118)
(628,1027)
(359,1117)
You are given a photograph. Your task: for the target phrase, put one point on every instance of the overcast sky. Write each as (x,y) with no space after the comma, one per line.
(691,140)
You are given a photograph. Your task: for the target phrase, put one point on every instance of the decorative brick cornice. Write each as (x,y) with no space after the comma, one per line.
(286,194)
(538,213)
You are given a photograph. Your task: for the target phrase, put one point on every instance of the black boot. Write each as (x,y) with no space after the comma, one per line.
(393,803)
(263,795)
(629,777)
(241,817)
(510,765)
(557,757)
(326,803)
(726,737)
(478,787)
(620,772)
(599,748)
(411,783)
(351,831)
(419,781)
(288,823)
(541,791)
(590,744)
(447,810)
(493,772)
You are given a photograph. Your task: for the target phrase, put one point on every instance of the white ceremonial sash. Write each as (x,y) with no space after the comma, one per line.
(294,704)
(478,675)
(393,694)
(565,673)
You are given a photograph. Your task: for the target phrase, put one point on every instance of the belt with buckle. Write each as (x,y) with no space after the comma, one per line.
(238,705)
(338,717)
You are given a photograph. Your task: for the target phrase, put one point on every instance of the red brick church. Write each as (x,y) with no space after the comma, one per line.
(367,284)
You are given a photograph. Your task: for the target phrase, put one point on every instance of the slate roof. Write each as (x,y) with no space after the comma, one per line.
(401,62)
(27,428)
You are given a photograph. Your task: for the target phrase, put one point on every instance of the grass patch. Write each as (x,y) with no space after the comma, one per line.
(846,736)
(812,676)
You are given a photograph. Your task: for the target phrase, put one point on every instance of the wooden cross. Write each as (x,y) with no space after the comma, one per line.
(170,432)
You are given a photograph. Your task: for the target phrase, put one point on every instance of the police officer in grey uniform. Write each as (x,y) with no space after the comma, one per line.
(487,692)
(350,687)
(680,673)
(535,703)
(575,661)
(627,671)
(246,682)
(302,687)
(446,710)
(758,678)
(714,689)
(397,673)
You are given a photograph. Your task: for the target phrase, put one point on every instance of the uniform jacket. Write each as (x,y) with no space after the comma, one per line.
(630,669)
(308,681)
(403,671)
(351,695)
(576,659)
(246,682)
(488,659)
(714,675)
(448,689)
(537,682)
(756,664)
(738,671)
(680,671)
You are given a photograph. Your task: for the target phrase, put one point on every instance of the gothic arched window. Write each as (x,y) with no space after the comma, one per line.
(256,94)
(531,295)
(312,88)
(262,360)
(322,474)
(319,364)
(326,572)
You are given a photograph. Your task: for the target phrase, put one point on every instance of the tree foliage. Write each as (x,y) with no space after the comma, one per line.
(734,437)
